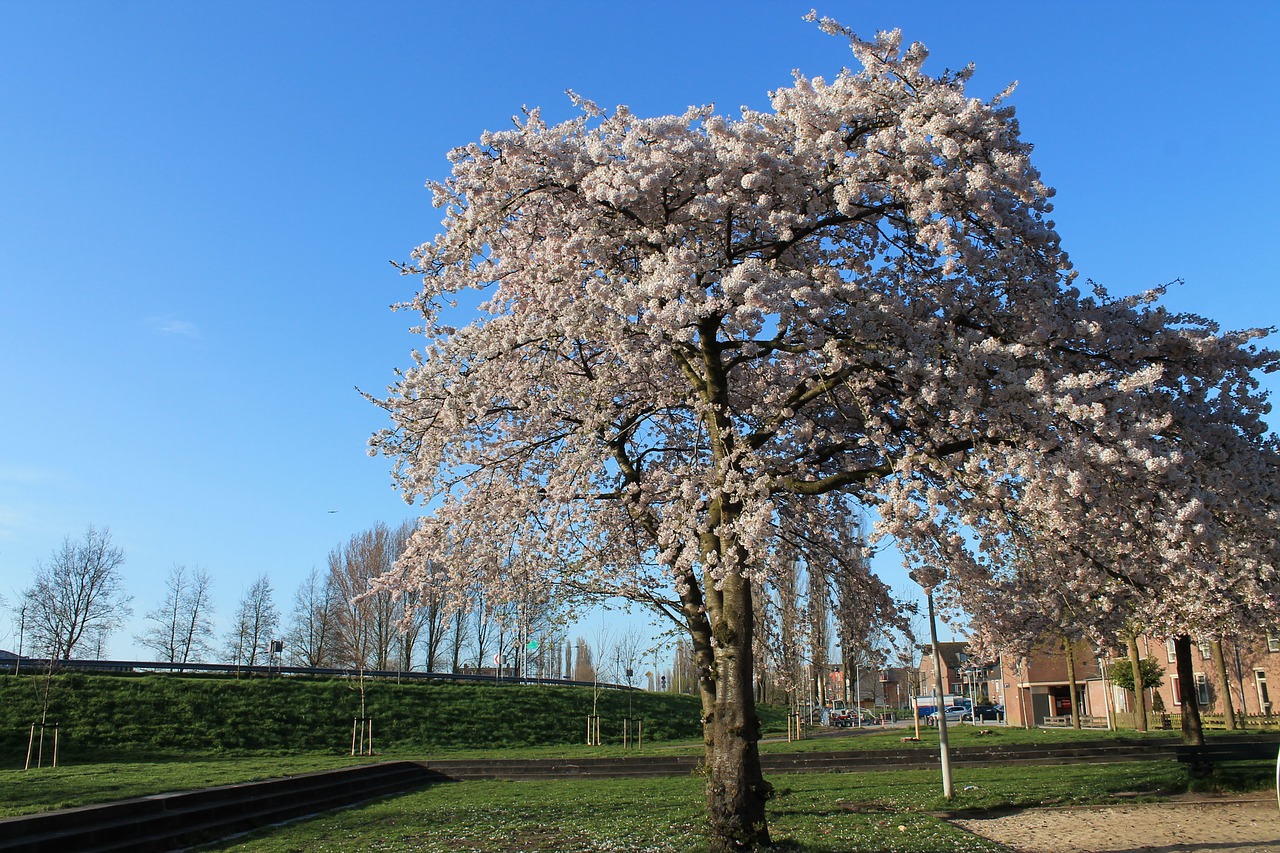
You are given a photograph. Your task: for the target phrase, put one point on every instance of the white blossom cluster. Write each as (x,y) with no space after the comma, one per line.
(705,341)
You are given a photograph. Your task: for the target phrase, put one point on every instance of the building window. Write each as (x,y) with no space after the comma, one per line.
(1171,651)
(1273,641)
(1176,686)
(1202,688)
(1206,651)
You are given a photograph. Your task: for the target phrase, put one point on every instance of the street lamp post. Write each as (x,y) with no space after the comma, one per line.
(22,625)
(857,692)
(944,746)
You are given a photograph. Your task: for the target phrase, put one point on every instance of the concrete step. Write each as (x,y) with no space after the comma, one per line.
(169,821)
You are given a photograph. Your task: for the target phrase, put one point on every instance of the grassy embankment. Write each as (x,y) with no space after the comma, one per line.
(157,716)
(127,736)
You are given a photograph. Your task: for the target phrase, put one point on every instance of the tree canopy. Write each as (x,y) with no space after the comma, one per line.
(1120,673)
(707,343)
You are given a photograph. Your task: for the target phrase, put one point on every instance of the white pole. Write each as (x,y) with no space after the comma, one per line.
(857,692)
(1106,688)
(22,626)
(944,747)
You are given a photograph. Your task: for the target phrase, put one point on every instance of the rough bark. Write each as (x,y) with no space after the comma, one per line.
(1224,684)
(1139,689)
(736,789)
(721,620)
(1192,732)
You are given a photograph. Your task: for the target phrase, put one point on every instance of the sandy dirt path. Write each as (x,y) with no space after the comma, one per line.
(1206,824)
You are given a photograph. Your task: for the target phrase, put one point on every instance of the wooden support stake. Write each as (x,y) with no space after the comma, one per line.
(362,736)
(37,747)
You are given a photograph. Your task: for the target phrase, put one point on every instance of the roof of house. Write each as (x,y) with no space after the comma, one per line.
(954,655)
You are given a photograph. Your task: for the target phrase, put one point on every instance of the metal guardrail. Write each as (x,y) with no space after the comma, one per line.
(38,665)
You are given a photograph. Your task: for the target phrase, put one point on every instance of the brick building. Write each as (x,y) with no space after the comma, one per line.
(1037,686)
(962,674)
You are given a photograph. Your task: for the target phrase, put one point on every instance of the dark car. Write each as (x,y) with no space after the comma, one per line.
(988,712)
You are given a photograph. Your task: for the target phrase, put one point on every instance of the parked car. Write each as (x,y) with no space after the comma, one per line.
(955,714)
(988,712)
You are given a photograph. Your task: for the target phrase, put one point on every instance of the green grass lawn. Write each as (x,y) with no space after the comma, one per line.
(886,811)
(122,774)
(23,792)
(132,736)
(890,810)
(821,739)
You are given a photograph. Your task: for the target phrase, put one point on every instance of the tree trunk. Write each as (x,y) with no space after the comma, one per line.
(1139,689)
(1224,685)
(1192,733)
(736,789)
(1071,683)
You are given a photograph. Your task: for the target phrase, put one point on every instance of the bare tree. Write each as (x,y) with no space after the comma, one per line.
(365,621)
(310,638)
(256,621)
(410,621)
(76,595)
(181,627)
(435,622)
(426,613)
(482,625)
(457,639)
(626,654)
(414,612)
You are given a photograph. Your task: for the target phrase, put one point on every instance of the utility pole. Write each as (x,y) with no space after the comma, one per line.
(943,745)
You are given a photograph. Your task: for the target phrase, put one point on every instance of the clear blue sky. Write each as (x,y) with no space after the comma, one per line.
(198,203)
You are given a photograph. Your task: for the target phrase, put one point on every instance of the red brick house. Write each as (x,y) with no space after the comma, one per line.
(1036,687)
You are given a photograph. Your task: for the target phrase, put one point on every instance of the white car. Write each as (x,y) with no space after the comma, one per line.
(955,714)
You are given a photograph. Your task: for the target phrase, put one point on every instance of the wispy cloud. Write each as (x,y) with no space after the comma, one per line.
(173,326)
